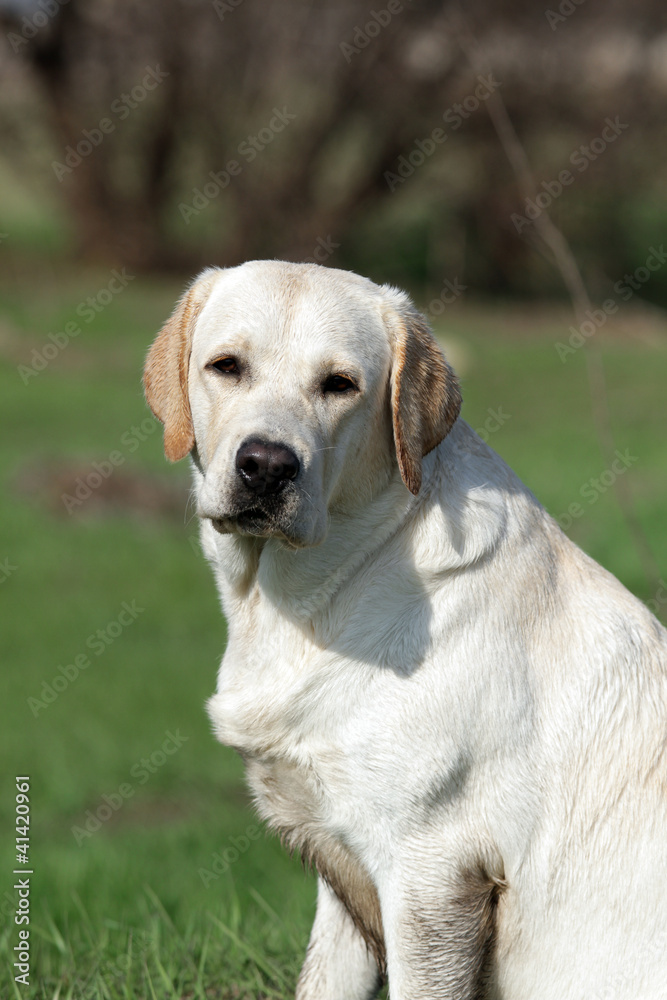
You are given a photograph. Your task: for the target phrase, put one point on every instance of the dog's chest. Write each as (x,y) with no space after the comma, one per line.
(302,719)
(290,797)
(278,703)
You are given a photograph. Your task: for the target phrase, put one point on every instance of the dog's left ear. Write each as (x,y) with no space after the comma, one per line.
(424,392)
(166,370)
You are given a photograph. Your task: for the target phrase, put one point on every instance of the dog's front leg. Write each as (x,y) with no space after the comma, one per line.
(439,931)
(338,963)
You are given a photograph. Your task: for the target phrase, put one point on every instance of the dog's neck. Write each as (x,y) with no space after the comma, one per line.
(304,581)
(301,582)
(466,486)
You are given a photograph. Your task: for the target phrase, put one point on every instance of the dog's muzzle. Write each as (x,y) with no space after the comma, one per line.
(264,497)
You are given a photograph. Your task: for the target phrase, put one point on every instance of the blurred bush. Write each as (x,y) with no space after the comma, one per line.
(174,133)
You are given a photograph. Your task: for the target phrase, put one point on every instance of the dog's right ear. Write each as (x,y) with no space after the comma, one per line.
(167,366)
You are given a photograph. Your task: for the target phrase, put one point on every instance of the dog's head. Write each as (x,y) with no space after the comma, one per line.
(299,389)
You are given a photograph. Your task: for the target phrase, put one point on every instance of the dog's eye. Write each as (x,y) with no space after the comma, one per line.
(227,366)
(338,383)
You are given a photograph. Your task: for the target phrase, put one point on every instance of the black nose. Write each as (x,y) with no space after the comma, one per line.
(266,467)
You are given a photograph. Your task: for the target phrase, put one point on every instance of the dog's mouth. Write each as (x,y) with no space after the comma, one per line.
(252,521)
(261,519)
(275,515)
(253,516)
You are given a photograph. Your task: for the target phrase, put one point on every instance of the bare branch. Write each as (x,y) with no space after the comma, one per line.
(555,241)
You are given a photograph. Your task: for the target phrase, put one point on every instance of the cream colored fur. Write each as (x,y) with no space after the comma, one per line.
(455,713)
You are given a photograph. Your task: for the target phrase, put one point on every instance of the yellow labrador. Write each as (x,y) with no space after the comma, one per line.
(454,713)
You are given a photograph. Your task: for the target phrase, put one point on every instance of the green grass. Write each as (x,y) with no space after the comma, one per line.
(125,913)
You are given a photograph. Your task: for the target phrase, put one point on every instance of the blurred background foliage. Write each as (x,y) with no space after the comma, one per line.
(363,84)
